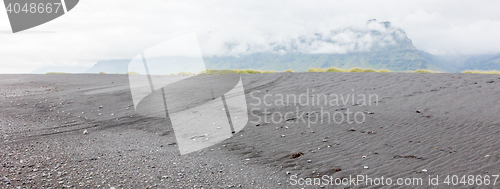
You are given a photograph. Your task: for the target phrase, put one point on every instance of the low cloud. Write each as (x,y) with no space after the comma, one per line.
(372,35)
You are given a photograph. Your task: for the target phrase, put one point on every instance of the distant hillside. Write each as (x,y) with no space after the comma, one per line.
(110,66)
(393,59)
(459,63)
(443,63)
(483,62)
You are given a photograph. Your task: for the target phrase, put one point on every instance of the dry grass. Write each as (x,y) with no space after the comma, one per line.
(334,69)
(482,72)
(186,73)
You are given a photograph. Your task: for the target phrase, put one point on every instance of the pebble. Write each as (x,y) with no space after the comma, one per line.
(85,132)
(309,161)
(424,170)
(366,167)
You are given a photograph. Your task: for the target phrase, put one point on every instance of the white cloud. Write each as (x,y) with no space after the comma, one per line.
(100,30)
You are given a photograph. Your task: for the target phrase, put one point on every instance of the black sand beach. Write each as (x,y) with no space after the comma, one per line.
(81,131)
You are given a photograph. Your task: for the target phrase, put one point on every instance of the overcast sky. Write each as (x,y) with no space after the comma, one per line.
(120,29)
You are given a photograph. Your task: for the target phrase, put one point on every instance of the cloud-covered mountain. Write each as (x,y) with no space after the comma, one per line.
(376,45)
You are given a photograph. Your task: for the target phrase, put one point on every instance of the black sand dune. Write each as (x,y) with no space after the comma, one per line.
(420,125)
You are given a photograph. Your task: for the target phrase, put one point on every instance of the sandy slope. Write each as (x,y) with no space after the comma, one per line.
(446,124)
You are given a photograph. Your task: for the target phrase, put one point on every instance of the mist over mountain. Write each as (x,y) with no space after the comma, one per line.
(377,45)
